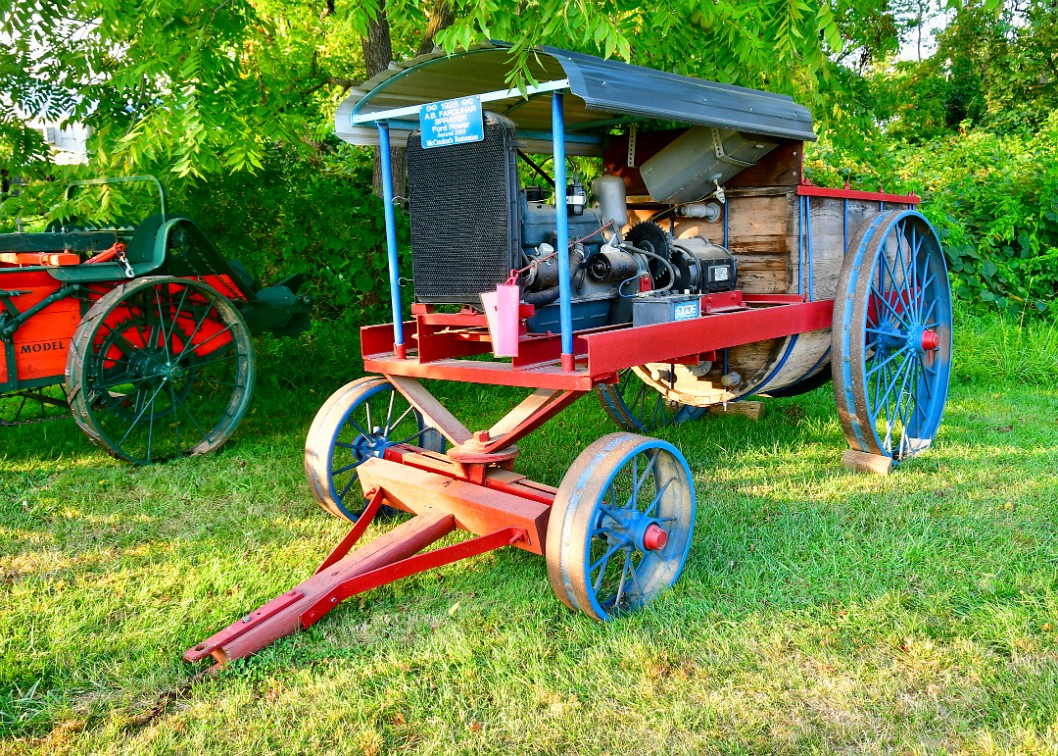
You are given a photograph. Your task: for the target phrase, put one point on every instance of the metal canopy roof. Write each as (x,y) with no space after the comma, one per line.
(605,91)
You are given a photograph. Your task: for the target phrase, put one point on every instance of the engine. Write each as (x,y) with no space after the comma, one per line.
(472,223)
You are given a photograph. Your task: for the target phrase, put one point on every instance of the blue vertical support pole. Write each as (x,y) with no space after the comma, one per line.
(565,307)
(808,246)
(800,244)
(727,213)
(399,350)
(845,226)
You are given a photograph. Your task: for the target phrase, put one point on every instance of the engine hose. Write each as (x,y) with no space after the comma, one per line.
(541,298)
(544,297)
(672,271)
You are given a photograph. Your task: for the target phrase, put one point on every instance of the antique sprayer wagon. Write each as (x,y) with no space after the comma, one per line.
(699,269)
(145,327)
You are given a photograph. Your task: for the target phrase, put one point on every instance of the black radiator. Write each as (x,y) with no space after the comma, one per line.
(465,231)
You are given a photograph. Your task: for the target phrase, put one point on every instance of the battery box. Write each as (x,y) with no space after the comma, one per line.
(671,308)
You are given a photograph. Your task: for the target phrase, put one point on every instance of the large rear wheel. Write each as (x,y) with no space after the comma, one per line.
(160,367)
(893,336)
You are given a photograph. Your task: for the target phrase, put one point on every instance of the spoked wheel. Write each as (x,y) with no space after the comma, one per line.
(621,525)
(161,367)
(635,406)
(359,421)
(892,336)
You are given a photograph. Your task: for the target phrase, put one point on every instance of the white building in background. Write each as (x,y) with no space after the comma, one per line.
(68,145)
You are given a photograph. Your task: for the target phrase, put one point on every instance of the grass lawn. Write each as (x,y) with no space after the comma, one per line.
(819,610)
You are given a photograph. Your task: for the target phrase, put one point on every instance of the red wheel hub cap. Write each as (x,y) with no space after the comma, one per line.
(930,340)
(654,538)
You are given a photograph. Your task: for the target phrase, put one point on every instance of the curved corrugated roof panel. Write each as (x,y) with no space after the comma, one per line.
(604,91)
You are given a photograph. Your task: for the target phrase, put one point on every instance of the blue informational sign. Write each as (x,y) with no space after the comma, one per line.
(451,122)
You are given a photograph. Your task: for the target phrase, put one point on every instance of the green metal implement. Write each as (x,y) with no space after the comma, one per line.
(142,330)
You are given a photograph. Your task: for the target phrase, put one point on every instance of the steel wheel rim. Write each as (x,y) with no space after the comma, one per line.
(896,333)
(636,406)
(359,422)
(161,368)
(617,489)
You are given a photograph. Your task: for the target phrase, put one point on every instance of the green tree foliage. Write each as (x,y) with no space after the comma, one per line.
(994,199)
(314,217)
(231,102)
(197,87)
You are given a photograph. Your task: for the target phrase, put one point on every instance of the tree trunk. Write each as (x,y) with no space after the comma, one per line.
(378,54)
(441,16)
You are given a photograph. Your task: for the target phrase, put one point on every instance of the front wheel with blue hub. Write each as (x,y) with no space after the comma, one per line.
(892,336)
(358,422)
(620,527)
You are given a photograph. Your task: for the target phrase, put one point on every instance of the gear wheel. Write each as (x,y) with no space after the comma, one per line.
(653,238)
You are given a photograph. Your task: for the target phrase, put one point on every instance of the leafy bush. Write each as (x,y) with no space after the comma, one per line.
(994,201)
(314,217)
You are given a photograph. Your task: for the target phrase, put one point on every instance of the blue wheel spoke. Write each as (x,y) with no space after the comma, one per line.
(920,292)
(635,579)
(892,384)
(657,499)
(352,479)
(641,480)
(887,267)
(885,301)
(638,402)
(634,497)
(875,368)
(361,431)
(879,382)
(605,558)
(897,408)
(416,434)
(929,314)
(389,413)
(624,574)
(905,254)
(928,282)
(396,423)
(347,468)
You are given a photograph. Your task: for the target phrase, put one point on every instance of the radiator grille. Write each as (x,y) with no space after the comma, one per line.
(465,233)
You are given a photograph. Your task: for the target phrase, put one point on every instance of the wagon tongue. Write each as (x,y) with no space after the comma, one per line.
(389,557)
